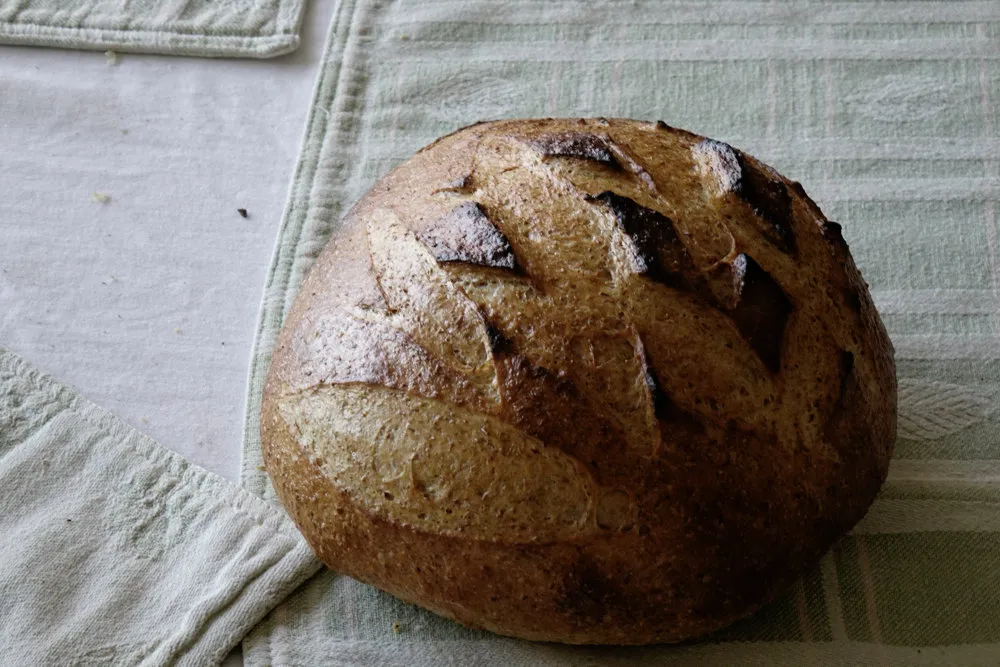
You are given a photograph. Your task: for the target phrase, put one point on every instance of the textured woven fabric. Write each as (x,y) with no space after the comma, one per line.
(232,28)
(885,111)
(116,551)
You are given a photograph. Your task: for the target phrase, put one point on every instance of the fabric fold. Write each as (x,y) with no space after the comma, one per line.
(117,551)
(241,28)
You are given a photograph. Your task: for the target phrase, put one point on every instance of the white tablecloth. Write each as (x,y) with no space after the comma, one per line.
(147,303)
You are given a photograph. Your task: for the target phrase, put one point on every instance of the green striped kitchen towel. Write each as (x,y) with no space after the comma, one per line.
(886,111)
(233,28)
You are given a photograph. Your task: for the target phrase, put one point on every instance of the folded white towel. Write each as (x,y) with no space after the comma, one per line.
(116,551)
(235,28)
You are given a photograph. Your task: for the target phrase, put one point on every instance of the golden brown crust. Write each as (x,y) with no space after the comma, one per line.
(591,381)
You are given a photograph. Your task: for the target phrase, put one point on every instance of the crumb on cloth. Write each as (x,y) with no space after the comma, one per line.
(100,197)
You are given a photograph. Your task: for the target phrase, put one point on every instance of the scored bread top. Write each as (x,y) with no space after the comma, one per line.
(532,311)
(582,332)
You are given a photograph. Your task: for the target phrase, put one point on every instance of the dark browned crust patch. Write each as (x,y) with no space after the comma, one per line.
(726,280)
(758,186)
(768,195)
(834,233)
(671,417)
(753,299)
(656,250)
(499,343)
(465,234)
(581,145)
(813,206)
(664,408)
(761,311)
(662,405)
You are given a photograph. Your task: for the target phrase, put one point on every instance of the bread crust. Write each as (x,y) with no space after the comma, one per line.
(581,380)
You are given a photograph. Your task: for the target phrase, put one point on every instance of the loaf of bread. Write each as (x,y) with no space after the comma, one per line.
(581,380)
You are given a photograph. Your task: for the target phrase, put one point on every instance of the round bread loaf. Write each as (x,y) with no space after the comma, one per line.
(587,381)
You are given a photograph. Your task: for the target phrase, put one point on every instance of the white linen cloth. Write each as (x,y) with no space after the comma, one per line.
(146,304)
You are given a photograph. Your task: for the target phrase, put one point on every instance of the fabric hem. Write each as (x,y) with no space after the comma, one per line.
(155,42)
